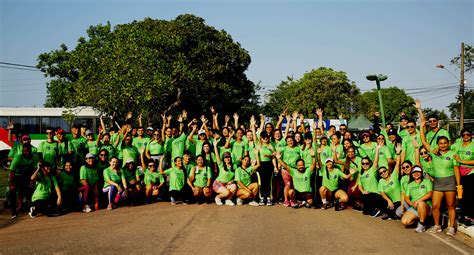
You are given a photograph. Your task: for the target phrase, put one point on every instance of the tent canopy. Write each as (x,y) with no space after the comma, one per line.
(361,123)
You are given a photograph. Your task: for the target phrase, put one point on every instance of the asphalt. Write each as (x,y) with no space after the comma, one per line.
(209,229)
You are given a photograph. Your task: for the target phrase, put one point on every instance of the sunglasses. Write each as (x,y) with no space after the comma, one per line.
(365,163)
(424,153)
(432,121)
(466,134)
(102,155)
(382,172)
(156,134)
(410,126)
(405,167)
(380,138)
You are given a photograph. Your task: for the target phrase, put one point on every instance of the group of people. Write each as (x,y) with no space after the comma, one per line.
(409,173)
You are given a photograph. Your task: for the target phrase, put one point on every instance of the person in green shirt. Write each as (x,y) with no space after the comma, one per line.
(141,141)
(418,194)
(446,176)
(65,148)
(113,184)
(129,152)
(49,149)
(177,176)
(224,185)
(367,147)
(368,185)
(389,187)
(408,149)
(153,180)
(155,149)
(435,131)
(200,179)
(465,157)
(89,183)
(385,156)
(68,185)
(131,182)
(91,144)
(43,199)
(330,185)
(243,177)
(21,168)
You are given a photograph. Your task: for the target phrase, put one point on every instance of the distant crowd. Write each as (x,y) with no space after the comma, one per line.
(410,173)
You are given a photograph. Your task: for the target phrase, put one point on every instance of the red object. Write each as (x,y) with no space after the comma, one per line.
(4,136)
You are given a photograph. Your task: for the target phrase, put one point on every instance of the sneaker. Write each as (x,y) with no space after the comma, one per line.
(239,201)
(87,209)
(286,203)
(375,213)
(229,202)
(15,215)
(109,207)
(385,217)
(262,201)
(253,203)
(451,231)
(32,212)
(294,205)
(173,201)
(96,206)
(436,229)
(117,198)
(420,228)
(306,205)
(336,205)
(269,201)
(326,206)
(218,201)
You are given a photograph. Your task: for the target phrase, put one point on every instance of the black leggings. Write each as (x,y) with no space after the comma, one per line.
(266,171)
(467,204)
(373,201)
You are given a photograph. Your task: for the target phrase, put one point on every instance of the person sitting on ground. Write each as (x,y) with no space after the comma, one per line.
(177,176)
(113,185)
(89,181)
(224,185)
(247,188)
(43,199)
(200,180)
(330,186)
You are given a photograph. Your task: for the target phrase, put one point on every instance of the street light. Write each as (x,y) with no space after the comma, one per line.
(378,79)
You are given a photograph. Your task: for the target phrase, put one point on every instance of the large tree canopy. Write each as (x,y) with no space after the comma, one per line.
(319,88)
(151,66)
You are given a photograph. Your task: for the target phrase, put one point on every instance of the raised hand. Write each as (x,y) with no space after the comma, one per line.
(184,114)
(417,103)
(319,112)
(213,110)
(236,116)
(11,125)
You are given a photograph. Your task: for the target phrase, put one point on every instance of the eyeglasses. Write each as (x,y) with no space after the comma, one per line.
(466,134)
(380,138)
(382,172)
(410,126)
(365,163)
(405,167)
(156,134)
(102,155)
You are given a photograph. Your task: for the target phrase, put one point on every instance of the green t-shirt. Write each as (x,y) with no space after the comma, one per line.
(66,181)
(404,182)
(407,146)
(279,145)
(155,148)
(109,148)
(129,152)
(443,165)
(465,153)
(140,143)
(306,156)
(225,176)
(427,167)
(415,191)
(201,175)
(368,150)
(111,175)
(368,180)
(301,181)
(63,152)
(237,150)
(176,178)
(177,146)
(92,147)
(198,145)
(50,152)
(22,166)
(265,153)
(88,174)
(355,164)
(290,155)
(430,137)
(188,167)
(44,185)
(79,148)
(129,176)
(391,188)
(244,175)
(331,178)
(384,156)
(153,178)
(250,147)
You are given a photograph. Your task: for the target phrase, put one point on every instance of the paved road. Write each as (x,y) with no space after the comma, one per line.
(184,229)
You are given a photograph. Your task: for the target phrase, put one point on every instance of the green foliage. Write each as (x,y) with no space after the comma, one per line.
(152,66)
(468,59)
(395,101)
(318,88)
(468,106)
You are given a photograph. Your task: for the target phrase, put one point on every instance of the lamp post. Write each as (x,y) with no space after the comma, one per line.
(378,79)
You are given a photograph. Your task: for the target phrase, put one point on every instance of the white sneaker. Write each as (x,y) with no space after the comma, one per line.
(87,209)
(218,201)
(239,201)
(436,229)
(451,231)
(229,202)
(253,203)
(420,228)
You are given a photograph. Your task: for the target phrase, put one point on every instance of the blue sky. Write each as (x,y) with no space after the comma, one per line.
(403,39)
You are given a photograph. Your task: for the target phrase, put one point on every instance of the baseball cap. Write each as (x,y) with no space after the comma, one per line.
(88,132)
(24,137)
(60,131)
(149,128)
(226,154)
(130,160)
(329,159)
(392,131)
(291,130)
(90,155)
(365,134)
(416,169)
(201,132)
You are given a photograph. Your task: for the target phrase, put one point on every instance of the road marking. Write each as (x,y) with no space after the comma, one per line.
(450,244)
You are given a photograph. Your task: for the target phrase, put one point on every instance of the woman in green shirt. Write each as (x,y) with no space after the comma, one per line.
(177,176)
(368,185)
(200,180)
(247,188)
(89,182)
(465,157)
(42,198)
(113,185)
(330,185)
(224,184)
(389,187)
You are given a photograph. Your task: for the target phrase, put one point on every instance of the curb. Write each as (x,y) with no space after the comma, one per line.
(466,230)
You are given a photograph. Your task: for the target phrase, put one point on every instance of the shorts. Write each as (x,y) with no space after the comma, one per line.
(303,196)
(399,211)
(444,183)
(411,209)
(217,185)
(286,177)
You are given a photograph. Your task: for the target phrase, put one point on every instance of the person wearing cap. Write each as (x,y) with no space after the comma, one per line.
(65,148)
(224,185)
(418,196)
(91,144)
(177,175)
(17,147)
(447,179)
(301,176)
(329,189)
(43,200)
(21,168)
(149,131)
(89,183)
(408,150)
(391,140)
(367,146)
(49,149)
(368,185)
(131,181)
(464,149)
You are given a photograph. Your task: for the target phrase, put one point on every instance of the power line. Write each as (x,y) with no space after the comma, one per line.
(19,68)
(13,64)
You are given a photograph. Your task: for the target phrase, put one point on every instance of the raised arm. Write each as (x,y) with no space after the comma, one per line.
(422,125)
(319,112)
(262,122)
(252,127)
(163,129)
(398,149)
(215,123)
(280,119)
(216,151)
(236,121)
(10,128)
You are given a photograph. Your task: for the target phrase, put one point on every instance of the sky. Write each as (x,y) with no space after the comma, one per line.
(403,39)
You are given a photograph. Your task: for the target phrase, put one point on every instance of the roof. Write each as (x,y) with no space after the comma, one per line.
(361,123)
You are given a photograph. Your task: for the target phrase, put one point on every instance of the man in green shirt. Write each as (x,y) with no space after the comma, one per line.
(435,131)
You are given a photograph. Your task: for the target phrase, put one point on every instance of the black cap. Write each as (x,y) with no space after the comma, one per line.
(392,132)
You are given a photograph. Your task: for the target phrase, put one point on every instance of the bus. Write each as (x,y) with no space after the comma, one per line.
(33,121)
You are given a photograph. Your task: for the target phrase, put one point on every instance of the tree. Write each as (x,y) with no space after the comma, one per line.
(318,88)
(395,101)
(151,66)
(468,59)
(468,106)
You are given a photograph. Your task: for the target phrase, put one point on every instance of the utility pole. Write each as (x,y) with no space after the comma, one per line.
(461,90)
